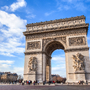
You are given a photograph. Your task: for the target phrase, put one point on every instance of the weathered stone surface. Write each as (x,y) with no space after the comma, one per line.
(33,45)
(76,41)
(43,38)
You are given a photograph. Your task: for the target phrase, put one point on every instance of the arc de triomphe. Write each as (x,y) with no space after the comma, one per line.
(69,34)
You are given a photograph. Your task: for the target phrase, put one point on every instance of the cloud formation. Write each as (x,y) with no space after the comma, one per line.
(11,29)
(49,13)
(6,66)
(6,62)
(71,4)
(15,5)
(58,65)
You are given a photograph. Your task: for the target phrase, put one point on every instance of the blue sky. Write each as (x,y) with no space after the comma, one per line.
(15,14)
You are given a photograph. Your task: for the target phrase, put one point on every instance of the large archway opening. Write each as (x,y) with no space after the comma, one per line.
(50,49)
(58,65)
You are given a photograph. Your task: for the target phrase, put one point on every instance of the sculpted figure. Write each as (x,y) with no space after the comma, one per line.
(32,64)
(78,62)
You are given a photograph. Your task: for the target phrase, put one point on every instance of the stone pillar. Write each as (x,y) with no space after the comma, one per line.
(47,73)
(72,74)
(38,75)
(50,69)
(44,67)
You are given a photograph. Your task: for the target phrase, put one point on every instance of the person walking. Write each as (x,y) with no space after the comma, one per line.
(38,82)
(34,82)
(29,82)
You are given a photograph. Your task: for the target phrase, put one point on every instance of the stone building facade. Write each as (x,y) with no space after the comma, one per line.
(69,34)
(7,76)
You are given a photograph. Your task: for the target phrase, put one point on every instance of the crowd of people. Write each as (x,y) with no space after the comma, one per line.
(37,82)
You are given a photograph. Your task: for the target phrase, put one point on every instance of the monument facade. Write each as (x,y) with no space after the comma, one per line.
(69,34)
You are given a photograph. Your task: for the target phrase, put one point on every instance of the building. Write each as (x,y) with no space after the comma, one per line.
(1,73)
(8,76)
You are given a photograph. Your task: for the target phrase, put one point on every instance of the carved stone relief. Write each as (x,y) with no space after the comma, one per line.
(32,64)
(58,33)
(33,45)
(78,62)
(77,41)
(45,41)
(54,24)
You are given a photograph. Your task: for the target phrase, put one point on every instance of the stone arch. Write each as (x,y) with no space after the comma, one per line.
(49,48)
(53,46)
(60,41)
(68,34)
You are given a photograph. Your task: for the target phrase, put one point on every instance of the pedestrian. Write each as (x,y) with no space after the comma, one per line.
(43,82)
(29,82)
(34,82)
(38,82)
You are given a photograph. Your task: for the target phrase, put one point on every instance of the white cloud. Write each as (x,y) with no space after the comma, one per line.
(71,4)
(80,6)
(49,13)
(14,24)
(60,70)
(18,70)
(59,58)
(15,5)
(6,61)
(7,66)
(58,65)
(31,16)
(18,4)
(1,38)
(12,28)
(63,7)
(66,7)
(5,7)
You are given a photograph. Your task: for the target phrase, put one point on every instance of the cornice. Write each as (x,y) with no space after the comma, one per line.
(77,49)
(36,52)
(56,21)
(57,29)
(80,73)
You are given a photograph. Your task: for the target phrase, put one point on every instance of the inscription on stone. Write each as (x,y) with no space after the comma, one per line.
(77,41)
(33,45)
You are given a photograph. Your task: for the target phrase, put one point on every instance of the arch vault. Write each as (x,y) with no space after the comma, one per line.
(43,38)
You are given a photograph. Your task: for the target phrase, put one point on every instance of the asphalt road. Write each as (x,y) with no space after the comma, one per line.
(60,87)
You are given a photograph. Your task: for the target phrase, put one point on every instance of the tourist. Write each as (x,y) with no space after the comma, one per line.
(29,82)
(34,82)
(43,82)
(54,82)
(38,82)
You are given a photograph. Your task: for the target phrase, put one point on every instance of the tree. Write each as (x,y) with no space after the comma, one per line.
(20,78)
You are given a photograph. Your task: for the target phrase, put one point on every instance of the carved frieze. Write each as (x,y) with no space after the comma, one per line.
(33,45)
(45,41)
(56,23)
(58,33)
(78,62)
(77,41)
